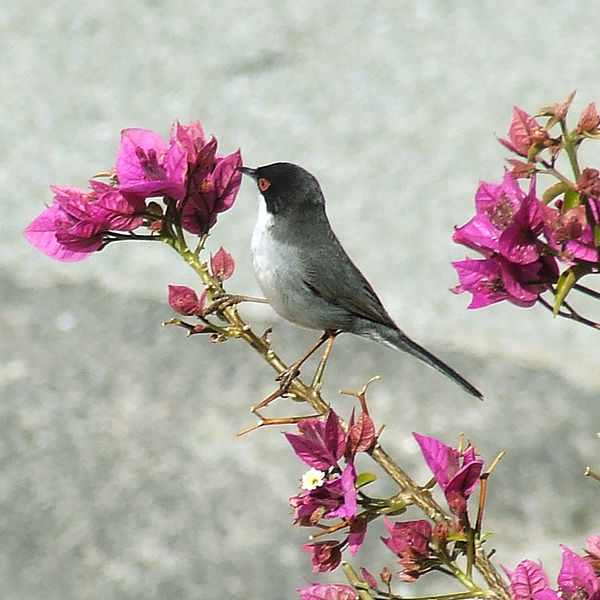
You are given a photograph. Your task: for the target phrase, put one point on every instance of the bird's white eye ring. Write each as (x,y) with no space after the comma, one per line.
(263,184)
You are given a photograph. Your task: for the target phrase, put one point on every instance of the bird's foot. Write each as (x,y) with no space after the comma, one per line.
(222,301)
(286,377)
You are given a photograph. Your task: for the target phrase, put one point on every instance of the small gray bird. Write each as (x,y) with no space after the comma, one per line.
(306,275)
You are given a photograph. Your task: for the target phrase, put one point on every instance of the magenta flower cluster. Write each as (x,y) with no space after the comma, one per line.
(577,579)
(322,445)
(457,473)
(418,544)
(195,183)
(525,241)
(517,265)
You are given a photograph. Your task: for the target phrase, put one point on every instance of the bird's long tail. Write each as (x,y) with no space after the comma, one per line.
(398,340)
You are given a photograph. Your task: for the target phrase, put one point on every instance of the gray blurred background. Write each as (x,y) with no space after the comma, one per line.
(121,474)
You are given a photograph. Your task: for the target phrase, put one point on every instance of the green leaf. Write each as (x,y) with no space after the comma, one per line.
(363,479)
(553,191)
(597,236)
(572,199)
(565,282)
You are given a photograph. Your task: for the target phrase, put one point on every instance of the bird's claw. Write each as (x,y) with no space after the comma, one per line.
(286,377)
(221,302)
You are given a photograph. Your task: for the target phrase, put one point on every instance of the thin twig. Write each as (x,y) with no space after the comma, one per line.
(587,291)
(590,473)
(572,315)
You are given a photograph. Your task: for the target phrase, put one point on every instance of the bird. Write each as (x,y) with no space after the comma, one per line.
(307,276)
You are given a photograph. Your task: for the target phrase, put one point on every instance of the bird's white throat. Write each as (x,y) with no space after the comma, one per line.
(262,243)
(271,259)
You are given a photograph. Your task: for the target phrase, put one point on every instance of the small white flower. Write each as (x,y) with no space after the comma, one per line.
(312,479)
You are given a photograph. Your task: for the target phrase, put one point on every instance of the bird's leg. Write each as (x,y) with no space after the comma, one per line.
(223,301)
(288,375)
(316,382)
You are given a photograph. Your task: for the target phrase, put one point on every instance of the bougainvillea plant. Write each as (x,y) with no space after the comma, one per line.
(538,233)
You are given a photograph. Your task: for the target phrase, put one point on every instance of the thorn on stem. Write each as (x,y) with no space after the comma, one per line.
(277,421)
(249,429)
(327,530)
(590,473)
(361,396)
(494,463)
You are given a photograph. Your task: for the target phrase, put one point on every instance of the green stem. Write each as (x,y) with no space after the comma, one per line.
(470,537)
(458,573)
(200,244)
(361,588)
(387,506)
(364,594)
(570,149)
(420,497)
(550,170)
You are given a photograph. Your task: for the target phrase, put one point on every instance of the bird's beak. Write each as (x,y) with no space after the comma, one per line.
(247,171)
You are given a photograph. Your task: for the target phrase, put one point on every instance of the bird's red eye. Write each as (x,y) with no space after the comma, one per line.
(263,184)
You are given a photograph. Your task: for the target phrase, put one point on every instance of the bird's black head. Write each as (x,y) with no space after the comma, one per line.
(286,187)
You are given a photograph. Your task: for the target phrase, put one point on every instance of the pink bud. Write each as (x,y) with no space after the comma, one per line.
(183,300)
(222,264)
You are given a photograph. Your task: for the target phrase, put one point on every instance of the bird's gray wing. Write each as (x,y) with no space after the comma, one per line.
(333,276)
